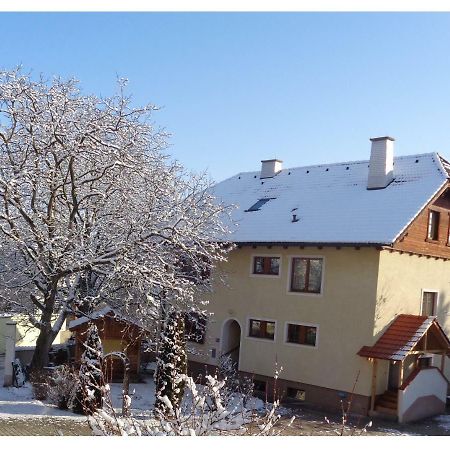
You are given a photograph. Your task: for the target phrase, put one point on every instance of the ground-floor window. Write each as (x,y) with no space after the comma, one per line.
(264,329)
(259,385)
(195,327)
(301,334)
(294,393)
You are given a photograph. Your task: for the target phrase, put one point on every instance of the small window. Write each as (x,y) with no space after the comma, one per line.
(266,265)
(297,394)
(259,385)
(306,275)
(258,204)
(194,327)
(301,334)
(433,225)
(429,302)
(424,361)
(262,329)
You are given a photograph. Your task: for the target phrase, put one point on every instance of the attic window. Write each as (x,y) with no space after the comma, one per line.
(433,225)
(257,206)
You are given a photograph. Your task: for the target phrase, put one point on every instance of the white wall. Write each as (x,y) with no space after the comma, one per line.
(427,382)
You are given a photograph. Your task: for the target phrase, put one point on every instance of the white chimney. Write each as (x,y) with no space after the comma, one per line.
(270,167)
(381,166)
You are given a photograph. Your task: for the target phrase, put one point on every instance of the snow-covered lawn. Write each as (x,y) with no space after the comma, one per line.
(20,401)
(15,402)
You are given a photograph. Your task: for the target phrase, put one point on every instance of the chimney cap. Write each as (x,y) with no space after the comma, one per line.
(382,138)
(271,160)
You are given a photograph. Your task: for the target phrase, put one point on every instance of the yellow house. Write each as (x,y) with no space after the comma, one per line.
(26,334)
(341,276)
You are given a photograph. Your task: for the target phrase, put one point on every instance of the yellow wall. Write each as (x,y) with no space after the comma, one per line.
(344,314)
(26,334)
(402,278)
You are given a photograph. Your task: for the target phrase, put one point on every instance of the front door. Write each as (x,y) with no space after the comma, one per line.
(394,376)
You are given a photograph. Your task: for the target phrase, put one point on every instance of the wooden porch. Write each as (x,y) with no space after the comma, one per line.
(408,345)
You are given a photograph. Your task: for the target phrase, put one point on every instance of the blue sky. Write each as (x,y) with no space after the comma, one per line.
(307,88)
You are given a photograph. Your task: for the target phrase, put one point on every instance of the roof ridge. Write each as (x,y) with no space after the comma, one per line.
(342,163)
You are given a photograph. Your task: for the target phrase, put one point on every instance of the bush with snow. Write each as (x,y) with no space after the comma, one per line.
(205,410)
(89,393)
(62,386)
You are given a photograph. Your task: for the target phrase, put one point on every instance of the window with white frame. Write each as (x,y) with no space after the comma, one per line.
(301,334)
(429,303)
(306,275)
(263,329)
(433,225)
(266,265)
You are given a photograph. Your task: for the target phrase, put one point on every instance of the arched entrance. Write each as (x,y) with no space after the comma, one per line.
(231,340)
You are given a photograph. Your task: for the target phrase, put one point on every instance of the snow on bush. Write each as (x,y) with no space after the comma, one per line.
(205,410)
(62,386)
(90,388)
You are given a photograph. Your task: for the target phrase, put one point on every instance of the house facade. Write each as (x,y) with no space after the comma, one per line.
(341,277)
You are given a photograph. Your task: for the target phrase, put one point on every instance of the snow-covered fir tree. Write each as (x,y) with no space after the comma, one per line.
(171,363)
(90,391)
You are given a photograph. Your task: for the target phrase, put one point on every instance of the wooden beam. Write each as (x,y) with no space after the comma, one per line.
(374,384)
(420,352)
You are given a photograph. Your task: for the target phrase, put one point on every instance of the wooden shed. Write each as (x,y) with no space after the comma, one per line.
(117,334)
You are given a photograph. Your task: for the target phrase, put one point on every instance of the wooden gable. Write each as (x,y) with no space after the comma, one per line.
(415,238)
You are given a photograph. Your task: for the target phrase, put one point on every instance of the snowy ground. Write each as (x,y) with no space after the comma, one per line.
(18,409)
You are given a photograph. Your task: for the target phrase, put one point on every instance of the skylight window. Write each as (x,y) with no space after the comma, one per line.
(257,206)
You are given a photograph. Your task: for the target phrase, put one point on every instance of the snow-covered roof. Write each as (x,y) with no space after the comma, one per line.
(107,310)
(331,202)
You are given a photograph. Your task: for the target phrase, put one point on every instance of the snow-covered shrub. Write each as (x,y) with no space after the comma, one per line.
(62,386)
(39,383)
(205,410)
(90,388)
(234,383)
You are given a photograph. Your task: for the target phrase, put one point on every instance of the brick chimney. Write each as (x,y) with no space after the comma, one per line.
(270,168)
(381,166)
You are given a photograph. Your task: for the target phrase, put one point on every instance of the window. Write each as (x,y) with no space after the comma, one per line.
(194,327)
(424,361)
(433,225)
(297,394)
(262,329)
(266,265)
(258,204)
(306,275)
(259,385)
(429,303)
(301,334)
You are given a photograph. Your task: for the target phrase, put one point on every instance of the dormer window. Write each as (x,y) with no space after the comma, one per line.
(257,206)
(433,226)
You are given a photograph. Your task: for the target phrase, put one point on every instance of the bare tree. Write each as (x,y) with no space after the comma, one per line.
(92,208)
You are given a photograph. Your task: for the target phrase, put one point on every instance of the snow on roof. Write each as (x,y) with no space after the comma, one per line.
(331,202)
(102,313)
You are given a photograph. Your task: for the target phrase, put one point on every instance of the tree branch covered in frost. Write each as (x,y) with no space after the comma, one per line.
(92,209)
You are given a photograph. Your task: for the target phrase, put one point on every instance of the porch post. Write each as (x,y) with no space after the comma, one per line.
(401,374)
(444,355)
(374,384)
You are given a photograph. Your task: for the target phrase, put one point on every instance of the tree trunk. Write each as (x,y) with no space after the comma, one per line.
(43,343)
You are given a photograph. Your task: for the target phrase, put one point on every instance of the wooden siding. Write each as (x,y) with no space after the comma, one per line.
(115,336)
(415,239)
